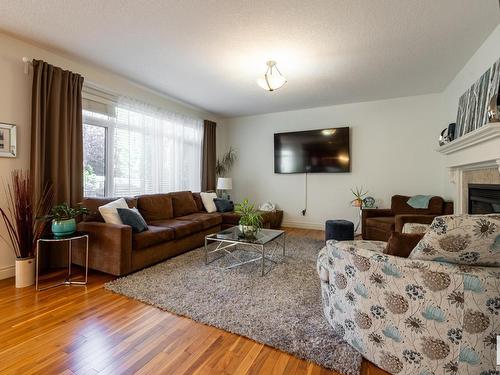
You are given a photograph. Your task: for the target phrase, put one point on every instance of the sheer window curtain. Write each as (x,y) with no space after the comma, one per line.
(154,150)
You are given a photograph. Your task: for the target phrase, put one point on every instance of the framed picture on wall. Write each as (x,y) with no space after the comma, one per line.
(8,140)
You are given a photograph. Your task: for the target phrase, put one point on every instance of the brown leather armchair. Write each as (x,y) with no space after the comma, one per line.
(378,224)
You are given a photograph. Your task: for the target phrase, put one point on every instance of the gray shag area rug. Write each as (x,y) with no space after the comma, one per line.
(282,309)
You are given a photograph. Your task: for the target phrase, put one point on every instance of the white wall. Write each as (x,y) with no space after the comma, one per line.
(481,61)
(392,151)
(15,106)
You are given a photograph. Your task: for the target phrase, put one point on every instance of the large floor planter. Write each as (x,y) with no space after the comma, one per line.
(25,272)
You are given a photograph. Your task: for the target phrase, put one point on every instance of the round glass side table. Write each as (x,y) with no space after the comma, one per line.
(69,239)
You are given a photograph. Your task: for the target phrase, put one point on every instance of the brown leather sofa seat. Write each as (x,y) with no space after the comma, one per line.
(154,235)
(207,220)
(181,228)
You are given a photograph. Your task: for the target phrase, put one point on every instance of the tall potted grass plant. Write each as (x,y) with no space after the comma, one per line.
(20,220)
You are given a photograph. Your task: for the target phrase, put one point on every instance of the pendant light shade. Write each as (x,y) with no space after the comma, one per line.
(273,79)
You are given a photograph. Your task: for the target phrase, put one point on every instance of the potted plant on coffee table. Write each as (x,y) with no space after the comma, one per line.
(22,227)
(250,219)
(63,219)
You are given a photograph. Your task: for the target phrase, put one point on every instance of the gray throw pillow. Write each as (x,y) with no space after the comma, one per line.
(223,205)
(132,217)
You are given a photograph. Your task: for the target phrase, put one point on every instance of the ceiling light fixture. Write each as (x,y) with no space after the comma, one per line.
(273,79)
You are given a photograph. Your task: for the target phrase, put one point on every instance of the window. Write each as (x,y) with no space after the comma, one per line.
(140,150)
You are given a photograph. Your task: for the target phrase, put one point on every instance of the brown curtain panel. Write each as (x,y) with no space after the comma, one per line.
(56,132)
(209,156)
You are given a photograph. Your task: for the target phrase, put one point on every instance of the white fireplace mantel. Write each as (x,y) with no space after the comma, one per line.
(477,150)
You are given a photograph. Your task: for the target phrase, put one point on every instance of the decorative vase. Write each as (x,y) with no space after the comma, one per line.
(248,231)
(62,228)
(357,202)
(25,272)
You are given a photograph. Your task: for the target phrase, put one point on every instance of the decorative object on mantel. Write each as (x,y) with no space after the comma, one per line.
(473,105)
(448,134)
(8,140)
(20,219)
(494,109)
(484,134)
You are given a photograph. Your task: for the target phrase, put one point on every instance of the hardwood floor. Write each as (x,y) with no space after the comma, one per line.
(88,330)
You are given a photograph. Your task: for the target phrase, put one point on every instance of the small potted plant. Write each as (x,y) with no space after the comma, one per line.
(20,218)
(63,219)
(250,220)
(359,195)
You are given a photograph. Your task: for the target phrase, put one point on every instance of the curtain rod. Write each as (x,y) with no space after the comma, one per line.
(27,62)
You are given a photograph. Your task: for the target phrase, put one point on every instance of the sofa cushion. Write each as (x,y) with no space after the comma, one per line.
(198,201)
(109,211)
(153,236)
(224,205)
(402,244)
(399,205)
(462,239)
(155,207)
(93,204)
(183,203)
(207,220)
(132,217)
(383,223)
(208,201)
(182,228)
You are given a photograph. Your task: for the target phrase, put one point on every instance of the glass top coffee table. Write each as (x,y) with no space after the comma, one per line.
(264,244)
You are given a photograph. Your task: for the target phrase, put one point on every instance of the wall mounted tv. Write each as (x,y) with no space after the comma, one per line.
(312,151)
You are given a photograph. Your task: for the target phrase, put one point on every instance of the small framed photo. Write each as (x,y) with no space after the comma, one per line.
(8,140)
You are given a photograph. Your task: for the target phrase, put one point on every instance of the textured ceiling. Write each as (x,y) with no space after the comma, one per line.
(209,53)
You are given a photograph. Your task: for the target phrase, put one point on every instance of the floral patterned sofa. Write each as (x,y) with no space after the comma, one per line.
(424,314)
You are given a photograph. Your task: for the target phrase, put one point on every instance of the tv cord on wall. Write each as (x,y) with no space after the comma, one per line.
(305,197)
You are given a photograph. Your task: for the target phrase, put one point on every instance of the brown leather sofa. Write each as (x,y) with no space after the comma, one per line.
(378,224)
(177,223)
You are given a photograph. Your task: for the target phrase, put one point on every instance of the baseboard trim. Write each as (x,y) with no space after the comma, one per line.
(6,272)
(303,225)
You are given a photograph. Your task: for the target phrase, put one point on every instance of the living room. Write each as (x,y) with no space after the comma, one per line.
(166,201)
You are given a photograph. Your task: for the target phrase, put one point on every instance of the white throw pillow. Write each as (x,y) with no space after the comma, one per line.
(109,212)
(208,201)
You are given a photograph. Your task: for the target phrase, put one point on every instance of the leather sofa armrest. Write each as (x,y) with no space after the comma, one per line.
(401,220)
(377,212)
(373,212)
(110,247)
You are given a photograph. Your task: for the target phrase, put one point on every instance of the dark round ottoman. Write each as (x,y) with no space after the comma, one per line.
(340,230)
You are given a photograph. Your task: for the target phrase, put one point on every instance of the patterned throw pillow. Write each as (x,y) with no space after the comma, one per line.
(462,239)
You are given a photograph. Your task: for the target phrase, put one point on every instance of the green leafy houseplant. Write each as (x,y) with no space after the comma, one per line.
(225,163)
(63,212)
(250,218)
(63,219)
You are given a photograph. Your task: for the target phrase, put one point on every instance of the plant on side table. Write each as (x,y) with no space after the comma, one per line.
(20,219)
(63,219)
(250,220)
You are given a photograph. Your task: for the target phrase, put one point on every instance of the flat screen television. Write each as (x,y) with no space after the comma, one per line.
(312,151)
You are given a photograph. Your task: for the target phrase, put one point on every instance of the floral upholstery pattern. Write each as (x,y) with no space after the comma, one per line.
(411,316)
(461,239)
(415,228)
